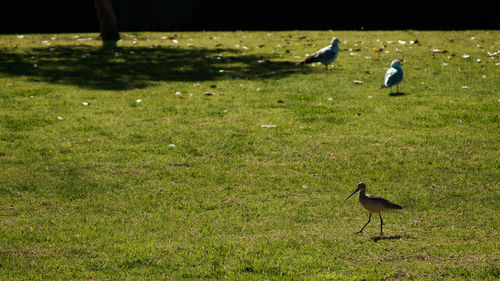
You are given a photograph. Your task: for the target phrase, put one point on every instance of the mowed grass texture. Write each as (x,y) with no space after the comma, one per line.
(210,155)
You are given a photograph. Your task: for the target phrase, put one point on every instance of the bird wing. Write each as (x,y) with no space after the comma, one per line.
(384,202)
(393,76)
(325,54)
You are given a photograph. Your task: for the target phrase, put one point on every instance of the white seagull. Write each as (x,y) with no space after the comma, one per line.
(325,56)
(393,76)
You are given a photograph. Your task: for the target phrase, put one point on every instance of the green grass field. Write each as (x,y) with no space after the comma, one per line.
(155,161)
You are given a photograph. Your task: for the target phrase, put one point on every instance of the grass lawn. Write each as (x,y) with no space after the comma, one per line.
(210,155)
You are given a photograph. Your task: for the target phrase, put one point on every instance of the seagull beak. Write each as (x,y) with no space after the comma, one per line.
(352,194)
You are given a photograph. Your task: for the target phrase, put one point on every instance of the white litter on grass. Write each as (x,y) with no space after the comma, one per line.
(85,103)
(59,118)
(258,89)
(171,145)
(175,41)
(492,55)
(465,87)
(305,186)
(268,126)
(330,99)
(357,81)
(444,64)
(138,100)
(20,36)
(402,42)
(465,56)
(178,93)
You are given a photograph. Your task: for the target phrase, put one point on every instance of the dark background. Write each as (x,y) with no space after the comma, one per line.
(53,16)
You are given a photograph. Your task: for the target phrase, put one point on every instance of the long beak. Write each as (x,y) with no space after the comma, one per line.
(352,194)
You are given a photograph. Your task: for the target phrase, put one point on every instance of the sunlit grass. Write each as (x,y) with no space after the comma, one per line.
(189,184)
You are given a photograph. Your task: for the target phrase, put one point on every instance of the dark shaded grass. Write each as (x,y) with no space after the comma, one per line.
(138,67)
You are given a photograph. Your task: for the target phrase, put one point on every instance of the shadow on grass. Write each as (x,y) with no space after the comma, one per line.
(139,67)
(392,237)
(397,94)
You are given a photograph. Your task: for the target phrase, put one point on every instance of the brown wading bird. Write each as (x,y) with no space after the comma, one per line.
(374,204)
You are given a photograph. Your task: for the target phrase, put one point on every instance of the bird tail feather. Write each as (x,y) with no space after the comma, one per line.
(396,206)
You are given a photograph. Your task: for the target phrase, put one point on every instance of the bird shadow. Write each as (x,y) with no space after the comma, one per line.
(392,237)
(398,94)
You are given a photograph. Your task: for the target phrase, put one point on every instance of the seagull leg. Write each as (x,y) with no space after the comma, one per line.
(369,218)
(326,67)
(381,223)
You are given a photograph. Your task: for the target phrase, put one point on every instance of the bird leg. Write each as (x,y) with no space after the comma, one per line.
(381,223)
(326,67)
(369,218)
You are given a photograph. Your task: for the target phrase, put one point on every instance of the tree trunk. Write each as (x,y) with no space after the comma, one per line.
(109,26)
